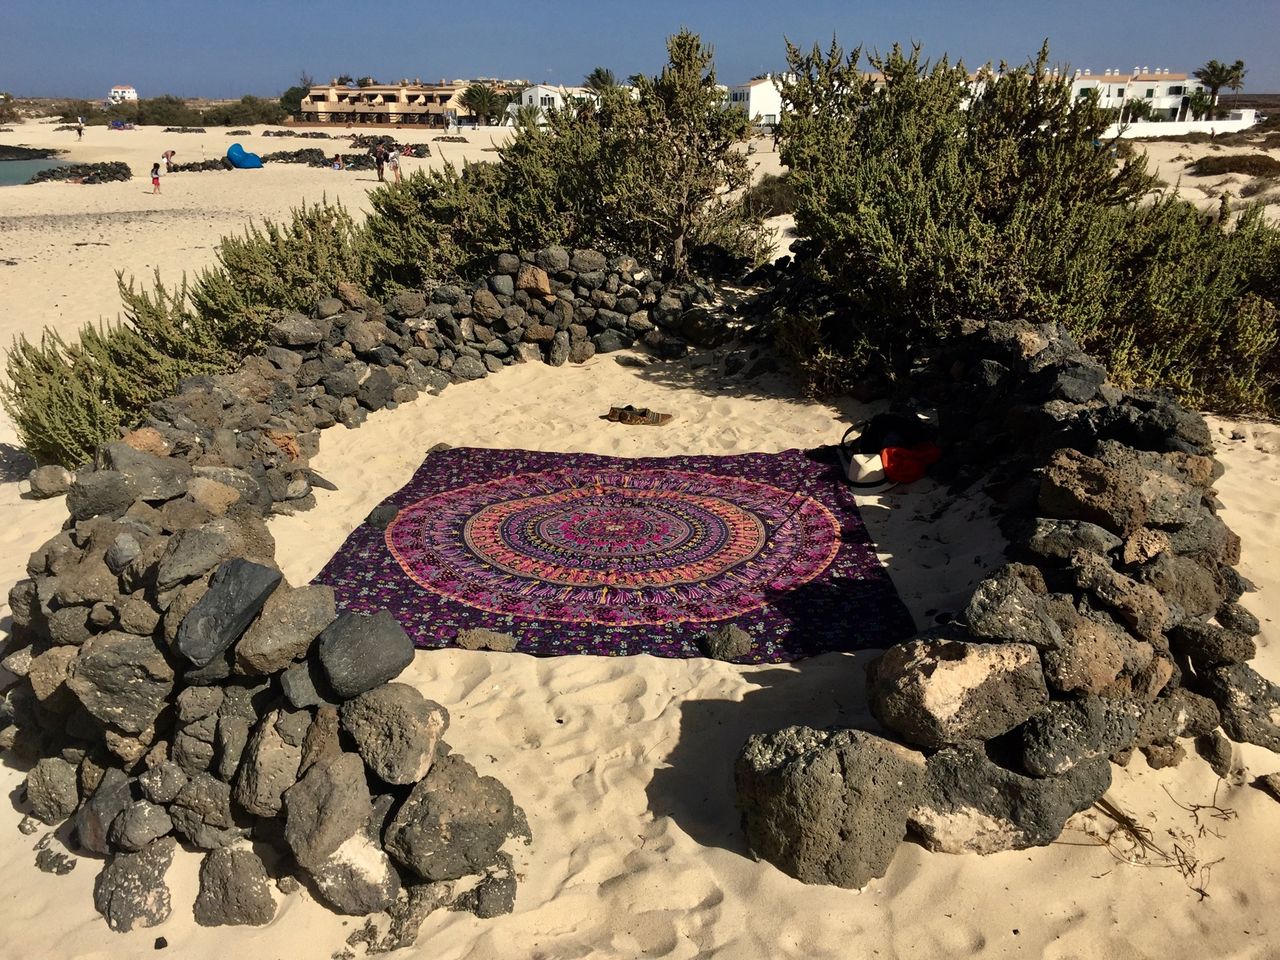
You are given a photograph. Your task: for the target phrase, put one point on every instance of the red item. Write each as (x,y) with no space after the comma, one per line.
(909,464)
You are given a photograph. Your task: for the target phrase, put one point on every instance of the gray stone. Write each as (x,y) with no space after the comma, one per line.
(190,554)
(234,889)
(1207,645)
(299,331)
(1006,609)
(607,341)
(154,479)
(558,355)
(122,680)
(50,481)
(305,685)
(375,392)
(201,812)
(502,284)
(971,805)
(357,878)
(452,823)
(325,809)
(552,259)
(507,263)
(163,782)
(1219,753)
(587,261)
(1179,714)
(827,806)
(936,692)
(237,592)
(131,892)
(481,639)
(1183,583)
(1072,731)
(232,738)
(395,729)
(138,617)
(269,768)
(360,652)
(53,861)
(468,368)
(290,620)
(727,642)
(138,824)
(1234,617)
(113,794)
(1059,539)
(53,789)
(99,492)
(1249,703)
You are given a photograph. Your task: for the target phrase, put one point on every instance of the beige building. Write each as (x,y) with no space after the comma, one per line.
(432,104)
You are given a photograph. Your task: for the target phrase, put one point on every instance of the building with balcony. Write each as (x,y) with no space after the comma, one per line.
(432,105)
(121,94)
(1167,94)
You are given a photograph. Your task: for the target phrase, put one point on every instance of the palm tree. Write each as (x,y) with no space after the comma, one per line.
(1215,75)
(527,116)
(484,101)
(600,79)
(1199,103)
(1237,79)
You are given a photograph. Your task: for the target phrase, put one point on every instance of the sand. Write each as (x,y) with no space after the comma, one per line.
(624,765)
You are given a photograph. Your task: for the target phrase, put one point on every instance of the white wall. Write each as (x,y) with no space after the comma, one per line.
(1172,129)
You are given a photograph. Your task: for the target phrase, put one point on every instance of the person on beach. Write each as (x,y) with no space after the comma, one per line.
(379,160)
(393,161)
(337,161)
(155,177)
(79,131)
(167,159)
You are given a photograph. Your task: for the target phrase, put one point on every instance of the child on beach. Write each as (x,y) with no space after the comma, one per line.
(393,161)
(337,161)
(155,177)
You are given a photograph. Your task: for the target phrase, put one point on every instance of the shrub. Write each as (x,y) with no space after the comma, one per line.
(66,397)
(653,175)
(1250,164)
(932,200)
(771,196)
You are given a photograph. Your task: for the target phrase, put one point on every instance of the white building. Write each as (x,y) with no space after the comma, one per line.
(760,99)
(1168,94)
(122,94)
(544,97)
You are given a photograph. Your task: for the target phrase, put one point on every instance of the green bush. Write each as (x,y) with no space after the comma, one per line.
(771,196)
(652,175)
(67,397)
(933,199)
(1250,164)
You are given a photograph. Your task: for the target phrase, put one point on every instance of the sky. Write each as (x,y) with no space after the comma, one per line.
(75,48)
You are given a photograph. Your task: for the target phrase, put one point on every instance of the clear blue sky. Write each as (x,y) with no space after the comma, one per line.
(229,47)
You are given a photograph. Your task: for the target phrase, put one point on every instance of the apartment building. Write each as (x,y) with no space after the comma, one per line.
(433,105)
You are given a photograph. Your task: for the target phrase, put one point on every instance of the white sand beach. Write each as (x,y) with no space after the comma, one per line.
(624,765)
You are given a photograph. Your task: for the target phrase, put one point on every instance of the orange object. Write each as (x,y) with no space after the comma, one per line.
(909,464)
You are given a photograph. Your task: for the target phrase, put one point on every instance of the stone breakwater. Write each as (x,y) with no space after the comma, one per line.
(108,172)
(1117,628)
(173,687)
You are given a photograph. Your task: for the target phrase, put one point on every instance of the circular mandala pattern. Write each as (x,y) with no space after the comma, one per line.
(614,547)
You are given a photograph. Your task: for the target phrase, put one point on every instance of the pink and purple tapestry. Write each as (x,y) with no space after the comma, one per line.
(578,553)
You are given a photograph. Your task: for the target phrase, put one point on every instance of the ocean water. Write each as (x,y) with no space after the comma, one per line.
(13,172)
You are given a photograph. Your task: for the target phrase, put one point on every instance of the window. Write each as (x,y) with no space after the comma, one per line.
(1176,91)
(1119,91)
(547,101)
(1151,92)
(770,119)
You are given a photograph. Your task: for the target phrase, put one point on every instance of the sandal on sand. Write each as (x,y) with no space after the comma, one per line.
(637,416)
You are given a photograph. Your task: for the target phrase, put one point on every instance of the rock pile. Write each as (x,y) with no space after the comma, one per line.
(108,172)
(304,134)
(173,685)
(183,130)
(202,166)
(1117,628)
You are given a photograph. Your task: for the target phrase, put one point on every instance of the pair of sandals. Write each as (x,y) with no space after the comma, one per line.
(637,416)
